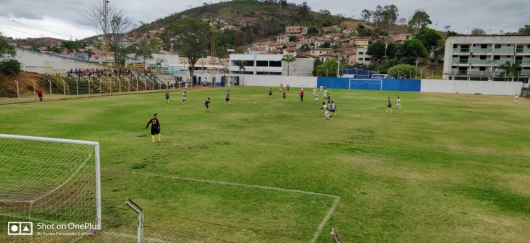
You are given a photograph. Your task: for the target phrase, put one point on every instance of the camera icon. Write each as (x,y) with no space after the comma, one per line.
(20,228)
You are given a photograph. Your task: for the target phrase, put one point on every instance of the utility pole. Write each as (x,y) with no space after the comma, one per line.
(338,65)
(212,51)
(106,38)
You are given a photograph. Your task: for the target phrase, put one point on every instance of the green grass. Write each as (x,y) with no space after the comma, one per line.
(446,168)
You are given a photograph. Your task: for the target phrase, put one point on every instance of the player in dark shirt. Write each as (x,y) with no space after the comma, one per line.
(227,99)
(270,94)
(207,104)
(284,96)
(155,128)
(167,96)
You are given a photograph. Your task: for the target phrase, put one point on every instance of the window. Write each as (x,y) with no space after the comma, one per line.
(528,46)
(249,63)
(482,68)
(455,46)
(483,57)
(367,59)
(360,59)
(361,53)
(484,46)
(262,63)
(497,57)
(275,64)
(497,46)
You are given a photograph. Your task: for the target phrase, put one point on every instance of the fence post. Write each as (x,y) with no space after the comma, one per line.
(18,92)
(99,86)
(64,88)
(51,93)
(34,97)
(119,83)
(77,87)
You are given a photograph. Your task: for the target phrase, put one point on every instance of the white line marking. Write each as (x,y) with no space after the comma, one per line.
(320,227)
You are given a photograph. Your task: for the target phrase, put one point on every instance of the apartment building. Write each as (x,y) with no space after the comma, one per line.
(479,57)
(296,30)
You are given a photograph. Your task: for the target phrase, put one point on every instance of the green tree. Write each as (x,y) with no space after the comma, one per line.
(329,68)
(510,69)
(241,65)
(304,48)
(288,59)
(6,50)
(390,14)
(145,49)
(72,45)
(89,52)
(377,50)
(429,38)
(525,30)
(316,63)
(478,31)
(402,71)
(391,50)
(10,66)
(293,38)
(190,37)
(325,45)
(312,31)
(419,20)
(410,50)
(451,33)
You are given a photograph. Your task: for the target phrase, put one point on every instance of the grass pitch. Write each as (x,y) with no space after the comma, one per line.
(446,168)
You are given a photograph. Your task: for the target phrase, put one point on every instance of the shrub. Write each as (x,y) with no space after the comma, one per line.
(10,66)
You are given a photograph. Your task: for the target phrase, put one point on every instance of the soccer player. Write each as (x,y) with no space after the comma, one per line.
(333,108)
(325,91)
(270,94)
(284,96)
(302,95)
(167,96)
(398,104)
(155,128)
(326,110)
(314,91)
(39,92)
(389,105)
(321,87)
(227,99)
(329,99)
(207,104)
(316,98)
(516,99)
(184,96)
(288,87)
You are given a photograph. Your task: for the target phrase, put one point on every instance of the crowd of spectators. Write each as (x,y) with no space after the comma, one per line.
(107,72)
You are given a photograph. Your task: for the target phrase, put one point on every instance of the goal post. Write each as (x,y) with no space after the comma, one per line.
(366,84)
(49,186)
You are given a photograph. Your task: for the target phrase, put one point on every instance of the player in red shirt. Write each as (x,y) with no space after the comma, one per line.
(39,92)
(301,95)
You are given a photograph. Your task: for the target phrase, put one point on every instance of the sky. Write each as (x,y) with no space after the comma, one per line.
(65,19)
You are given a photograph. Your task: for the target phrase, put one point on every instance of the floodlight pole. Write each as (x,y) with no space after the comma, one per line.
(140,212)
(51,93)
(18,92)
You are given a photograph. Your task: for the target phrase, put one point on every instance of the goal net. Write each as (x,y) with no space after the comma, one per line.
(366,84)
(49,189)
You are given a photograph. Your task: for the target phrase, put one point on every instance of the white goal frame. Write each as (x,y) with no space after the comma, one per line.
(367,81)
(79,142)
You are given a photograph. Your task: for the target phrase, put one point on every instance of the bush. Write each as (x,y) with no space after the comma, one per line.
(402,71)
(10,66)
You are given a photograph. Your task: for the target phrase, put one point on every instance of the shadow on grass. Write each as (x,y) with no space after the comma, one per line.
(502,199)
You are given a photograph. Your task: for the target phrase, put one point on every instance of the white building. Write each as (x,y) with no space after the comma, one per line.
(362,57)
(479,57)
(256,64)
(270,64)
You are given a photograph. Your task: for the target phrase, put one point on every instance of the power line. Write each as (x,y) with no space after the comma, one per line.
(14,21)
(18,31)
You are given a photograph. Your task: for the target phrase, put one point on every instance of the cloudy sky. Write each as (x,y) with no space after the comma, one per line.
(66,19)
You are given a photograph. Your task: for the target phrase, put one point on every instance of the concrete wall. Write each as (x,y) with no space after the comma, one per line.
(33,61)
(471,87)
(276,80)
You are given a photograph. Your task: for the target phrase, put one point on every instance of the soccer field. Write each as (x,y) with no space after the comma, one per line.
(445,168)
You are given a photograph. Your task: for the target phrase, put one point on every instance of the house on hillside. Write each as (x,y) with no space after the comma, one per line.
(333,36)
(362,57)
(296,30)
(348,31)
(402,38)
(283,38)
(361,42)
(291,51)
(326,56)
(319,51)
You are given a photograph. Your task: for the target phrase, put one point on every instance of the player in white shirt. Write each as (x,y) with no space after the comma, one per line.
(398,103)
(316,98)
(321,88)
(184,96)
(326,110)
(516,99)
(314,91)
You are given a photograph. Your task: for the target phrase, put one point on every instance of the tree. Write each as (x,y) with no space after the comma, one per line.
(525,30)
(89,52)
(410,50)
(510,69)
(293,38)
(419,20)
(391,50)
(325,45)
(190,37)
(241,65)
(366,15)
(288,59)
(145,49)
(402,71)
(376,15)
(304,48)
(312,31)
(377,50)
(113,24)
(6,50)
(390,14)
(329,68)
(72,45)
(429,38)
(478,31)
(451,33)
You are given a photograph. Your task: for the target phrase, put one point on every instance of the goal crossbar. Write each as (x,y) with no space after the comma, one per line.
(366,84)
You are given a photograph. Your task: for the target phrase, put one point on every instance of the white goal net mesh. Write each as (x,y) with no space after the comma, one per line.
(52,184)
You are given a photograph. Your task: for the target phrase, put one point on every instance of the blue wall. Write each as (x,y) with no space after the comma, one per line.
(413,85)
